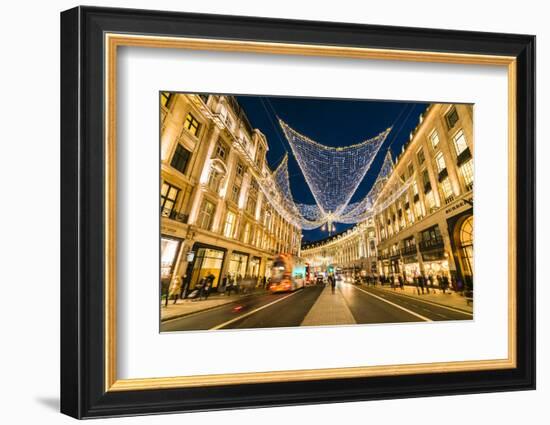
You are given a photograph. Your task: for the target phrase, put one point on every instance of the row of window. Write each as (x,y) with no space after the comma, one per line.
(262,239)
(429,239)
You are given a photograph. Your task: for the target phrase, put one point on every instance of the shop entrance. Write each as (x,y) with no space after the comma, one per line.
(466,240)
(169,248)
(237,266)
(254,269)
(208,261)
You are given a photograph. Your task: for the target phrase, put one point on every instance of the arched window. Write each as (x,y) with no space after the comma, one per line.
(467,245)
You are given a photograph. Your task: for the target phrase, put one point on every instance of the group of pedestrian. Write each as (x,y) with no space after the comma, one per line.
(426,284)
(179,287)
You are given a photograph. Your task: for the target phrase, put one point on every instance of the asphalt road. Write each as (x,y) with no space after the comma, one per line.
(256,311)
(367,305)
(371,305)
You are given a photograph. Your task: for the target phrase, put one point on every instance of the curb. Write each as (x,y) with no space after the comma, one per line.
(179,316)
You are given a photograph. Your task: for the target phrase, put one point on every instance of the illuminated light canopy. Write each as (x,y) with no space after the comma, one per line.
(332,173)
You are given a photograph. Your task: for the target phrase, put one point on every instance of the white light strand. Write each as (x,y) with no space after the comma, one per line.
(332,173)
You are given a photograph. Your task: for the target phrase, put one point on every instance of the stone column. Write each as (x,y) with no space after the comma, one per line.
(204,158)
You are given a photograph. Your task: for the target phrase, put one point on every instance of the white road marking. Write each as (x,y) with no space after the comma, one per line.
(250,313)
(395,305)
(435,304)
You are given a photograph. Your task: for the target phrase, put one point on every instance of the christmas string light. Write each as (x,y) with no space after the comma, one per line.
(332,173)
(276,187)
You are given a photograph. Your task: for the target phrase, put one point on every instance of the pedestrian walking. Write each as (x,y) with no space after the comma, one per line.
(202,287)
(401,282)
(445,283)
(175,289)
(184,286)
(229,285)
(209,284)
(238,286)
(164,290)
(224,283)
(332,281)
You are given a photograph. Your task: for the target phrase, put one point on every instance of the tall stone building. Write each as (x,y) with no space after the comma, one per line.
(215,218)
(428,229)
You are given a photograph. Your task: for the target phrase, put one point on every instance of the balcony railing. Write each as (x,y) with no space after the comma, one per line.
(174,215)
(408,250)
(430,244)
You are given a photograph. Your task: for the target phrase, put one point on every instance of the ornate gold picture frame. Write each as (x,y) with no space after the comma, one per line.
(91,41)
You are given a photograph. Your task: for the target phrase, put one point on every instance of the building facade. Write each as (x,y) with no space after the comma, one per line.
(428,229)
(350,252)
(215,218)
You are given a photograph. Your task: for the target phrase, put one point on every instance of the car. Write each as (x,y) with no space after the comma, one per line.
(319,279)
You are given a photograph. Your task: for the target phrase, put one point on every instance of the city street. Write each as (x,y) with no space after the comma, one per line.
(316,305)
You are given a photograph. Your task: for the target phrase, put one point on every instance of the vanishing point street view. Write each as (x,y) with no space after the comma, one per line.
(285,212)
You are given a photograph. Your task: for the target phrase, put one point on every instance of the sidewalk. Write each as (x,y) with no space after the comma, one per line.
(186,307)
(449,299)
(329,309)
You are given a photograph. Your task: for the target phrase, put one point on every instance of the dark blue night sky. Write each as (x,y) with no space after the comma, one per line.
(331,122)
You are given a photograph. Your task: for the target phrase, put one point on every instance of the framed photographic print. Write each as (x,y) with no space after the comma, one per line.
(347,212)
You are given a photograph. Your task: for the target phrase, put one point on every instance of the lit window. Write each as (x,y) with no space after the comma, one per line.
(467,170)
(165,98)
(440,161)
(447,190)
(410,215)
(246,232)
(418,209)
(191,124)
(206,215)
(415,188)
(434,138)
(430,201)
(451,117)
(180,159)
(168,196)
(459,140)
(229,224)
